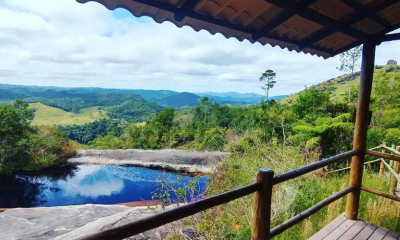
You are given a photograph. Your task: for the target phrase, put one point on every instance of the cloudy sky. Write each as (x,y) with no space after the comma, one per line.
(64,43)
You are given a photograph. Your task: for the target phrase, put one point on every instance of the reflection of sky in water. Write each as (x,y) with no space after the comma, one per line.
(108,185)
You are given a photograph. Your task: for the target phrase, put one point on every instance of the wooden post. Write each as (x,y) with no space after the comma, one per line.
(382,167)
(393,181)
(391,163)
(262,205)
(361,127)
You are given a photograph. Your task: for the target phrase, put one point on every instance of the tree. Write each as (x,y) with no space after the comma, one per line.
(267,79)
(349,62)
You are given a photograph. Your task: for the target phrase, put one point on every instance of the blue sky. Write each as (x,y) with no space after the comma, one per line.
(86,45)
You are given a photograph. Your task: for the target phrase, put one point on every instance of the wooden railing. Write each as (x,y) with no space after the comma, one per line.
(262,202)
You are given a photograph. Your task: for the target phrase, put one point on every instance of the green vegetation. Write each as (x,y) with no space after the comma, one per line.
(317,124)
(282,137)
(25,147)
(88,132)
(46,115)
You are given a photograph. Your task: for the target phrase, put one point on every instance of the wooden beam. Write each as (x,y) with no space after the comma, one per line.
(314,166)
(309,42)
(383,155)
(361,128)
(149,223)
(393,173)
(390,37)
(361,9)
(295,220)
(314,16)
(396,151)
(347,168)
(262,205)
(278,21)
(187,7)
(382,194)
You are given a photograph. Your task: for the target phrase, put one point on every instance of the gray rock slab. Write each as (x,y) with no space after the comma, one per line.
(169,159)
(70,222)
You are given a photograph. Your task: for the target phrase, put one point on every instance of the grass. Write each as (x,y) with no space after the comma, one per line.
(289,198)
(46,115)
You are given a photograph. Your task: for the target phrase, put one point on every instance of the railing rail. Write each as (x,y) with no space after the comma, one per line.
(262,203)
(172,215)
(314,166)
(295,220)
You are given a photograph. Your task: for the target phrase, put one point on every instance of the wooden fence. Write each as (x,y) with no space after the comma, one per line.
(262,201)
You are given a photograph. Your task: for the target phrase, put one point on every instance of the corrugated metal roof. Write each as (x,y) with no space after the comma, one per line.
(319,27)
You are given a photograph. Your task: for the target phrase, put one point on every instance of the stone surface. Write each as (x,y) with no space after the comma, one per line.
(70,222)
(169,159)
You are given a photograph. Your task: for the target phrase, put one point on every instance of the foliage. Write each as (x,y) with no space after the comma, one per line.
(26,147)
(88,132)
(312,103)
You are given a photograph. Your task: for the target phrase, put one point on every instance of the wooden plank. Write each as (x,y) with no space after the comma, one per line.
(391,236)
(379,234)
(366,232)
(329,228)
(354,230)
(339,231)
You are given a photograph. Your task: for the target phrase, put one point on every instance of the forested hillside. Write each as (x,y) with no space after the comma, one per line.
(68,106)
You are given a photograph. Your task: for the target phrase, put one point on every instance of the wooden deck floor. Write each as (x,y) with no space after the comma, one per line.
(343,229)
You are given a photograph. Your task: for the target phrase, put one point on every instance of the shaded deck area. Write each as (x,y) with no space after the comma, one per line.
(345,229)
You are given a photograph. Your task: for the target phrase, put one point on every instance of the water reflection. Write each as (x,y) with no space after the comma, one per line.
(81,184)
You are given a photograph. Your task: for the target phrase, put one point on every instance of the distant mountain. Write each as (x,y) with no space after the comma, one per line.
(59,92)
(73,99)
(234,95)
(178,100)
(146,94)
(248,98)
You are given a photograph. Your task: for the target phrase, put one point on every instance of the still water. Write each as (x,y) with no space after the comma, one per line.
(81,184)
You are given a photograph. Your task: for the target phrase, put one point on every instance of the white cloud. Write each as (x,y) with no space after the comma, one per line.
(64,43)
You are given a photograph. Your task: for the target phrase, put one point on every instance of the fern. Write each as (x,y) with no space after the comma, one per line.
(342,118)
(342,126)
(298,139)
(313,142)
(310,130)
(323,121)
(304,129)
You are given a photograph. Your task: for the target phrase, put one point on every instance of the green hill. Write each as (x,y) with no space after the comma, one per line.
(46,115)
(179,100)
(339,87)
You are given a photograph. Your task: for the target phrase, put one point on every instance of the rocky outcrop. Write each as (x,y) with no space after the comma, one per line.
(70,222)
(174,160)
